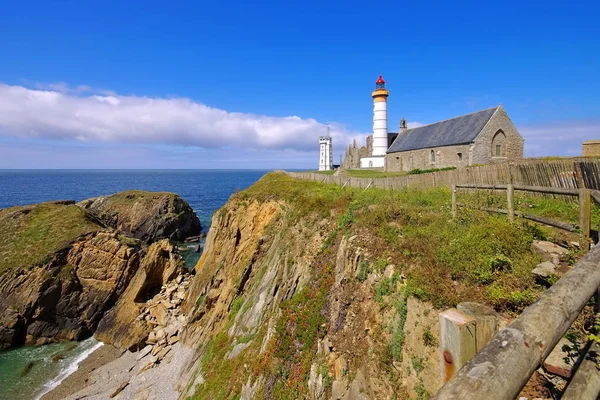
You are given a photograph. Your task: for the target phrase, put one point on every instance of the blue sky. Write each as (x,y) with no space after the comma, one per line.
(237,85)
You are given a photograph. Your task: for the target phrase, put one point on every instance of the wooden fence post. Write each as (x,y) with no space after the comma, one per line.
(457,342)
(585,204)
(510,197)
(453,201)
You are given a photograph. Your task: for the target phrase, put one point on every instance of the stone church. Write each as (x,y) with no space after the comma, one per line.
(483,137)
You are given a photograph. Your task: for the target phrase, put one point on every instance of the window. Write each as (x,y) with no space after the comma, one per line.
(432,156)
(459,156)
(370,164)
(498,143)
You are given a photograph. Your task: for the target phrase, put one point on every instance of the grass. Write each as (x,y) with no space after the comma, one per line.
(478,257)
(29,235)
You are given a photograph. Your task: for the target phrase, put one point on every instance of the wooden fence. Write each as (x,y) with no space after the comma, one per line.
(567,173)
(503,367)
(584,197)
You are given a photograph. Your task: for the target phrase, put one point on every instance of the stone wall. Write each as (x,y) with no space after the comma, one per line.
(446,156)
(591,148)
(498,131)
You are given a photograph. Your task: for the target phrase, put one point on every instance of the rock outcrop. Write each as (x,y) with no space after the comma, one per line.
(148,216)
(126,325)
(61,270)
(65,298)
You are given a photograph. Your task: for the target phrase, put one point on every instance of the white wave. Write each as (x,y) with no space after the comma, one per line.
(90,345)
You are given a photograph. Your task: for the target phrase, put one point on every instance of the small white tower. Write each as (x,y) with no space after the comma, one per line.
(325,153)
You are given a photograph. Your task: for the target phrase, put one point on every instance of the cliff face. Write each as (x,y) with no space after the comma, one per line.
(284,306)
(61,270)
(147,216)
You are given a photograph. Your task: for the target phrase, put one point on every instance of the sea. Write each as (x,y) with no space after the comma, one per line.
(26,373)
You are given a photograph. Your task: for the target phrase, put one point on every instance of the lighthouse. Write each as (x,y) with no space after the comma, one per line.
(380,125)
(376,156)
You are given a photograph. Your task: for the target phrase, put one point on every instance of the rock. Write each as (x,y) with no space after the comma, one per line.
(118,390)
(161,314)
(156,349)
(548,250)
(148,216)
(148,365)
(173,339)
(563,358)
(152,338)
(77,283)
(237,350)
(163,353)
(358,387)
(119,326)
(315,383)
(338,390)
(544,270)
(341,367)
(389,271)
(143,353)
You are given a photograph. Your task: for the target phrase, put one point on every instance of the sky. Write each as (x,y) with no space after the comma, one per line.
(149,84)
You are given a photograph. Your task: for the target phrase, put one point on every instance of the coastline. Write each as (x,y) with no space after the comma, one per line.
(79,379)
(113,373)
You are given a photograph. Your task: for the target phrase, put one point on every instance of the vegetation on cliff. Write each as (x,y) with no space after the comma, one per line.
(30,234)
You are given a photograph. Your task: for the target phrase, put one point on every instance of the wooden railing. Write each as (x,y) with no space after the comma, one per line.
(585,205)
(502,368)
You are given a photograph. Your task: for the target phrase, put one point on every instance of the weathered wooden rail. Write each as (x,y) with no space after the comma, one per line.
(502,368)
(584,195)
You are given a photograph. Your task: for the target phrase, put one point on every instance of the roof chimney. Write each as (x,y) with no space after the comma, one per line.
(403,127)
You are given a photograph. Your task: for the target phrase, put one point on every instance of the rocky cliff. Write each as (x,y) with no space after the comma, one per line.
(148,216)
(61,270)
(312,291)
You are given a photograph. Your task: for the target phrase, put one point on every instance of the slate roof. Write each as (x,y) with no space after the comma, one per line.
(458,130)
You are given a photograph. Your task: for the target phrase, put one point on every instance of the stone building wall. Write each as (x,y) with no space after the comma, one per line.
(591,148)
(445,156)
(498,131)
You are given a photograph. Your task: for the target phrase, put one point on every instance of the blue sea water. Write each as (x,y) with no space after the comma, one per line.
(205,190)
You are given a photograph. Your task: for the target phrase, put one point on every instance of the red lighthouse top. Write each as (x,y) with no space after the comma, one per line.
(380,81)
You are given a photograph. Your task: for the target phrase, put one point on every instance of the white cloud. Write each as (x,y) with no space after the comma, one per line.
(58,111)
(562,138)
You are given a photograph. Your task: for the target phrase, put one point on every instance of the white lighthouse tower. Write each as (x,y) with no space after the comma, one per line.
(325,153)
(380,127)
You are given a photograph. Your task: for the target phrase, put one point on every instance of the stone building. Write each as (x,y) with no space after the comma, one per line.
(483,137)
(591,148)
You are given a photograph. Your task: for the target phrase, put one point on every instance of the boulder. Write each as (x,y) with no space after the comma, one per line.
(544,270)
(548,250)
(148,216)
(161,314)
(563,358)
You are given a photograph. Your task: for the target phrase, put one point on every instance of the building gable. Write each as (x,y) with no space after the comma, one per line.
(455,131)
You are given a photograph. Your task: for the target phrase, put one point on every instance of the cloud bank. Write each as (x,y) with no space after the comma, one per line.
(59,112)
